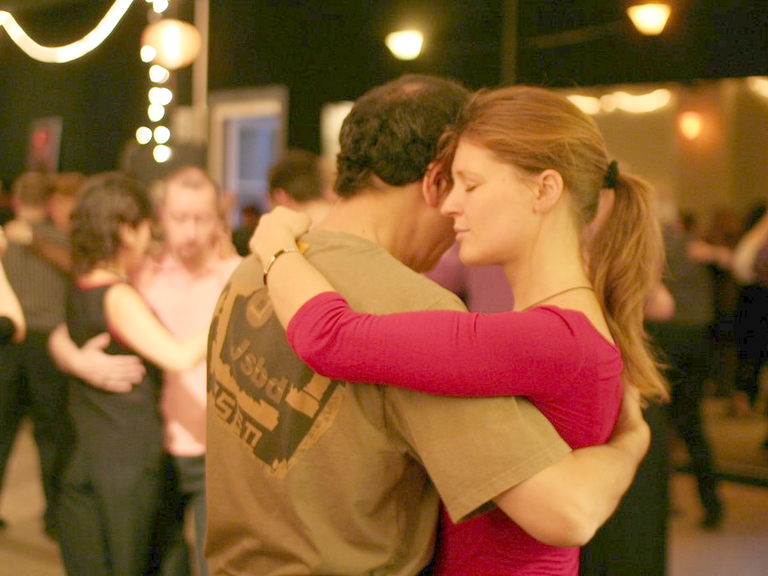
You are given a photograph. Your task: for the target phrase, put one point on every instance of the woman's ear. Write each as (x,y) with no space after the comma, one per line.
(549,190)
(126,233)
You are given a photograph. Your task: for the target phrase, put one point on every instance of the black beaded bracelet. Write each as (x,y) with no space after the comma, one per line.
(275,257)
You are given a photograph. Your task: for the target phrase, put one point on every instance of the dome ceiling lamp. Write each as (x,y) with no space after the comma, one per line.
(649,18)
(171,43)
(405,44)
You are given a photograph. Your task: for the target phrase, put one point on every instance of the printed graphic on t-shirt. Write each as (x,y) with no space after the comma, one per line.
(259,388)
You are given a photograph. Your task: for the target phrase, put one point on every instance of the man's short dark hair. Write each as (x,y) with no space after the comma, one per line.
(392,131)
(297,172)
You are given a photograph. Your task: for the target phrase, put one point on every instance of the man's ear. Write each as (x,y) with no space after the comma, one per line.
(433,187)
(549,190)
(279,197)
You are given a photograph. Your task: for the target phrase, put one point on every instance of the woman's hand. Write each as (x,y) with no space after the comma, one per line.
(3,242)
(276,230)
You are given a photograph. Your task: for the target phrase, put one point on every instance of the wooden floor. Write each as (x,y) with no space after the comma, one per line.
(739,547)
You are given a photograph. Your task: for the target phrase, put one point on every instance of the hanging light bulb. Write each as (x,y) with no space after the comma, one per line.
(405,44)
(651,18)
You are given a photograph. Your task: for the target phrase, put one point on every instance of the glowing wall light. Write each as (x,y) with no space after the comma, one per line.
(649,19)
(405,44)
(690,124)
(759,85)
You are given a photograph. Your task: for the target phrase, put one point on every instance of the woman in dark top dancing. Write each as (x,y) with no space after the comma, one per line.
(112,482)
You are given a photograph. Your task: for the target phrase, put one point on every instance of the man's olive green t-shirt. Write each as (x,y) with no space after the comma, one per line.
(305,475)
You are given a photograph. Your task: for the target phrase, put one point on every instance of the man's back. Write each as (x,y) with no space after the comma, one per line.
(306,475)
(40,286)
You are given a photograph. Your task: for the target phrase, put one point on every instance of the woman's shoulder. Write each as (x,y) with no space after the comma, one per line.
(579,323)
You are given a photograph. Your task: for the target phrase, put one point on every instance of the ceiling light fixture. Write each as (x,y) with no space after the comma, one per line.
(649,18)
(405,44)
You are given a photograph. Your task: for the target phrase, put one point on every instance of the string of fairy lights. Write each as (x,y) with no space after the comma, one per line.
(159,97)
(166,45)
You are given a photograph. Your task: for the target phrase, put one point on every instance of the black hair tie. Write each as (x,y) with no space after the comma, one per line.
(612,176)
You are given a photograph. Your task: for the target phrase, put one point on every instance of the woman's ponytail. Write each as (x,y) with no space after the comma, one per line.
(626,261)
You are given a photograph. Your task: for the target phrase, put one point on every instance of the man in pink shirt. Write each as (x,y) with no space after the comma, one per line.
(182,285)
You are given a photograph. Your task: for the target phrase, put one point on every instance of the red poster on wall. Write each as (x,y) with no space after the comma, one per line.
(44,143)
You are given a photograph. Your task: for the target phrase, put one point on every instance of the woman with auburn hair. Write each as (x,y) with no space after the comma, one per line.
(533,189)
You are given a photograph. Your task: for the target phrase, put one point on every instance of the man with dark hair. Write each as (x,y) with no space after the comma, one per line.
(298,180)
(312,476)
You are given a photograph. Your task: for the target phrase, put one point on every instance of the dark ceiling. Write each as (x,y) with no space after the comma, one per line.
(329,50)
(24,5)
(704,38)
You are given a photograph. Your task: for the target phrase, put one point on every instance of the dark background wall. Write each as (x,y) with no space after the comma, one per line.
(333,50)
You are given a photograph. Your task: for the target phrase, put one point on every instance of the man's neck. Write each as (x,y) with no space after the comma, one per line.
(194,265)
(315,209)
(375,215)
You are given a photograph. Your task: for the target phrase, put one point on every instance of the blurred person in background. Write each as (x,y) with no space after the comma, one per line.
(32,385)
(750,267)
(13,326)
(112,485)
(686,341)
(300,180)
(6,208)
(751,312)
(181,284)
(249,217)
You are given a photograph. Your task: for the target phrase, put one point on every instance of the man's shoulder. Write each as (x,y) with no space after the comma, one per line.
(225,265)
(371,279)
